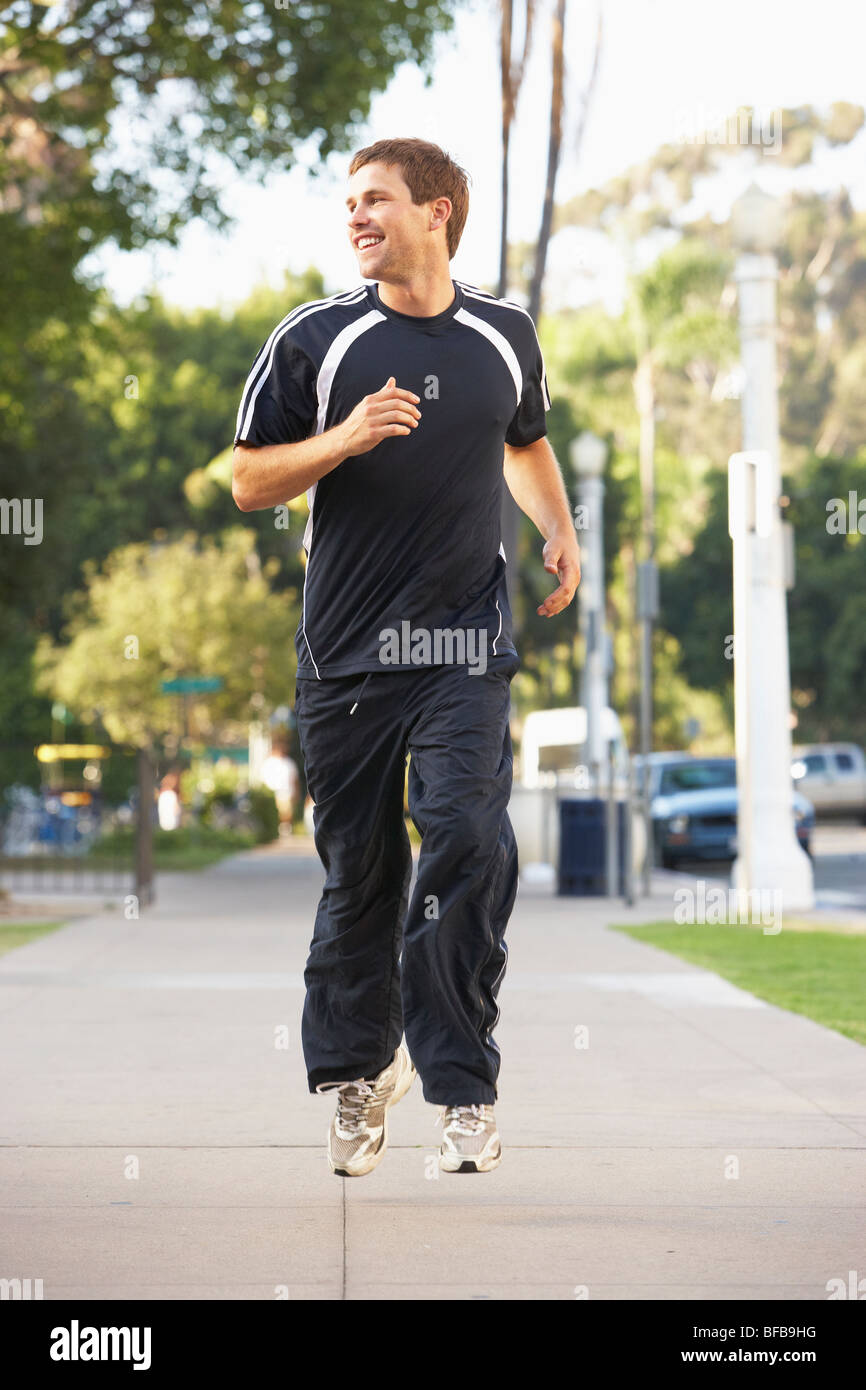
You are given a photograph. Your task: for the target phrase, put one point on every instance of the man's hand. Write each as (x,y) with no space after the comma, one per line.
(275,473)
(535,482)
(385,413)
(561,557)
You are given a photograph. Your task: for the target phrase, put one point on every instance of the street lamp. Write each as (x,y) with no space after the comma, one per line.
(588,454)
(768,855)
(756,221)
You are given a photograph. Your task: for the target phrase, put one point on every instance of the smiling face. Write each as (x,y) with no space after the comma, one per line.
(393,238)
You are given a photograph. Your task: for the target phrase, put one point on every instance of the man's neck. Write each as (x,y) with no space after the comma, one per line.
(423,298)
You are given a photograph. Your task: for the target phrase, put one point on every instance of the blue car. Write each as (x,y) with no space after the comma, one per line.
(694,808)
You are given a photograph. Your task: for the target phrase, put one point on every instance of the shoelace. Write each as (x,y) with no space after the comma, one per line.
(352,1101)
(466,1119)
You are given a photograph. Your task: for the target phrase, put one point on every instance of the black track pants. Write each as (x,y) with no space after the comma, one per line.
(360,994)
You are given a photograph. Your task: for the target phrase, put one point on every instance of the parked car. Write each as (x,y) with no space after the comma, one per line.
(833,776)
(694,808)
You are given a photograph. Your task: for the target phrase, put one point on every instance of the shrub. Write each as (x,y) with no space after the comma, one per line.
(263,814)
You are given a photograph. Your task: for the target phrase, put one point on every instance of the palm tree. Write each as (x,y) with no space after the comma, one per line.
(511,80)
(554,147)
(511,76)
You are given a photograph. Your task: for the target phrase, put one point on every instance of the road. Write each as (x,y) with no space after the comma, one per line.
(839,857)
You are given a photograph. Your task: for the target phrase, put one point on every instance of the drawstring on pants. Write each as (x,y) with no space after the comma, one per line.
(360,689)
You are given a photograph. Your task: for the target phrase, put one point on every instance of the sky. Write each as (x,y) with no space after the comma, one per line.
(669,68)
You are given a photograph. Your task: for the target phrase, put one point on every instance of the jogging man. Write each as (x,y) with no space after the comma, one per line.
(398,407)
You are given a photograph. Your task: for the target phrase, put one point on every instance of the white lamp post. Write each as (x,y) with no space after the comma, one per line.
(768,854)
(588,454)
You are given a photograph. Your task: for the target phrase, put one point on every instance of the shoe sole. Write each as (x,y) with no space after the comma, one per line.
(453,1163)
(399,1092)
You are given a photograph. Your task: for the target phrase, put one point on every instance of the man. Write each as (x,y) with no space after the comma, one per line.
(398,407)
(279,773)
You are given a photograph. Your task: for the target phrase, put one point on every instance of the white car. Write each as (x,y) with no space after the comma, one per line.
(833,777)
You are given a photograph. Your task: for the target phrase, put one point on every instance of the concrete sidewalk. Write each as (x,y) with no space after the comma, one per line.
(158,1143)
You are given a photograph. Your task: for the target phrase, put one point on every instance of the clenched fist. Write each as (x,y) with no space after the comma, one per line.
(385,413)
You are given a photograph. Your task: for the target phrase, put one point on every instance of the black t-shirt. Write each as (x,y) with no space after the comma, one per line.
(404,539)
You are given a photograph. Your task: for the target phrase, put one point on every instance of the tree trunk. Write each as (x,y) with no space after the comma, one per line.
(511,77)
(557,107)
(506,21)
(557,97)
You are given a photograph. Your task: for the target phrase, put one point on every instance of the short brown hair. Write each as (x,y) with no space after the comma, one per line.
(429,173)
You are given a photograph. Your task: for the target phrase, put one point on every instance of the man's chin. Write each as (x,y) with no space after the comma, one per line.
(373,267)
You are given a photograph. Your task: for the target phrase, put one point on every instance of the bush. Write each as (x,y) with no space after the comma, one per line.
(217,808)
(263,813)
(189,848)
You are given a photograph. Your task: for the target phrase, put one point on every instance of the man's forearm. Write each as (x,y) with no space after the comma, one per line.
(276,473)
(535,482)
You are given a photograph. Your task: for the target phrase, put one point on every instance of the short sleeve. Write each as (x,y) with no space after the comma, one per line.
(528,423)
(279,404)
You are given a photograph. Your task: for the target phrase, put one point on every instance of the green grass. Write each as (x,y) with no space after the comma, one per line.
(14,934)
(821,974)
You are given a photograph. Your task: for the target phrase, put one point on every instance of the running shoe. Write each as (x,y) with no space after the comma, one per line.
(358,1136)
(470,1140)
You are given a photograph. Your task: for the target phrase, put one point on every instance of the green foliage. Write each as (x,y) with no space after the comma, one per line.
(117,118)
(148,396)
(827,633)
(122,419)
(157,611)
(189,847)
(251,82)
(264,814)
(161,388)
(826,606)
(679,329)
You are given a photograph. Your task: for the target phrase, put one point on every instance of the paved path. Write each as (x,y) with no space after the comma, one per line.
(703,1145)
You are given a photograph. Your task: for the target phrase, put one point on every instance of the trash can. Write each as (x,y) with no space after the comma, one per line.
(582,868)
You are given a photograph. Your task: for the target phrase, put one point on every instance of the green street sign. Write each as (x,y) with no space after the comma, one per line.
(192,685)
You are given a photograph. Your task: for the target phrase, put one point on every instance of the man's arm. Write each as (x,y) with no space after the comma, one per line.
(535,483)
(274,473)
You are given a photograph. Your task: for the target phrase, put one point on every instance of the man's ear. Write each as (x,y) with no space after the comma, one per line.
(440,212)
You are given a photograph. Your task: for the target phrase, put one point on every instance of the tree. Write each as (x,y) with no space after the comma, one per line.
(554,146)
(510,81)
(827,634)
(156,611)
(196,78)
(131,411)
(666,369)
(188,82)
(192,80)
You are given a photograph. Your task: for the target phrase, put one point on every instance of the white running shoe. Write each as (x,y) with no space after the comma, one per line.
(470,1140)
(358,1136)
